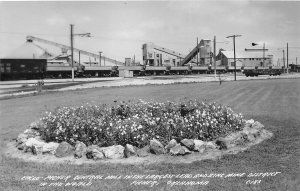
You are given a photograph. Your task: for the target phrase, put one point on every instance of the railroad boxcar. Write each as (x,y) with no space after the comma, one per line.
(18,69)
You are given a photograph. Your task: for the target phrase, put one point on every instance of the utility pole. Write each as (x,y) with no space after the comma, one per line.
(264,55)
(72,48)
(72,53)
(287,58)
(79,57)
(296,64)
(100,58)
(197,52)
(215,67)
(233,36)
(283,60)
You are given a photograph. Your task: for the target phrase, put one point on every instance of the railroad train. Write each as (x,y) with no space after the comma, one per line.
(40,69)
(156,61)
(16,69)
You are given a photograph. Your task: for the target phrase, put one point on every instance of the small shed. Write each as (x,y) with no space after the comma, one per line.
(126,73)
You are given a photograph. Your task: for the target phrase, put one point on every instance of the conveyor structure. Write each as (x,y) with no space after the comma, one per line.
(154,55)
(65,48)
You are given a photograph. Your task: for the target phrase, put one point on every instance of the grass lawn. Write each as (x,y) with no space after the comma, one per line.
(274,103)
(48,86)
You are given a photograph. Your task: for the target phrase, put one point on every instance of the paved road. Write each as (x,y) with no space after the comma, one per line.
(25,87)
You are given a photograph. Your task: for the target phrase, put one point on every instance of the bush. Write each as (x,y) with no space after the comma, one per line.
(138,122)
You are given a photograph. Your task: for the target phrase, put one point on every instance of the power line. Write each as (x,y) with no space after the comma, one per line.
(18,33)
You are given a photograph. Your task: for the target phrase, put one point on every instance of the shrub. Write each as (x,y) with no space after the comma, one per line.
(137,122)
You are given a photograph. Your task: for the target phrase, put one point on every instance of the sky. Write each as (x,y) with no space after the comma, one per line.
(120,28)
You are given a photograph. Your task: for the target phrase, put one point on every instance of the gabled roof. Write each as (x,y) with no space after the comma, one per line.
(243,54)
(28,50)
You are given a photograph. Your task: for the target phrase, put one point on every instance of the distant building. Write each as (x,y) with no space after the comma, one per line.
(27,61)
(154,55)
(127,61)
(244,58)
(205,52)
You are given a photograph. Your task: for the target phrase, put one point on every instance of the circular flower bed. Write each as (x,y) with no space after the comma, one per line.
(138,122)
(138,128)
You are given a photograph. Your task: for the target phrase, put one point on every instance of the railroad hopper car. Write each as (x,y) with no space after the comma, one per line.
(256,71)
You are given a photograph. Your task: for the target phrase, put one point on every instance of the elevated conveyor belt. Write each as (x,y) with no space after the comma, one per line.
(190,56)
(32,38)
(167,51)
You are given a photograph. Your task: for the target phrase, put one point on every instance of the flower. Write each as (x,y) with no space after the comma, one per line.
(139,121)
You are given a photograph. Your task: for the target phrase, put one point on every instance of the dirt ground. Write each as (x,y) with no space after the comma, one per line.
(275,103)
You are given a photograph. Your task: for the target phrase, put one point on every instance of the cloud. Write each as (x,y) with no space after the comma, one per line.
(206,7)
(128,33)
(85,19)
(56,20)
(152,24)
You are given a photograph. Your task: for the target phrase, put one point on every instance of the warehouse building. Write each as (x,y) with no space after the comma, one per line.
(26,62)
(244,58)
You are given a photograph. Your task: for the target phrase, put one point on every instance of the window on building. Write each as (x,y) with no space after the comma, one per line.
(2,68)
(8,67)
